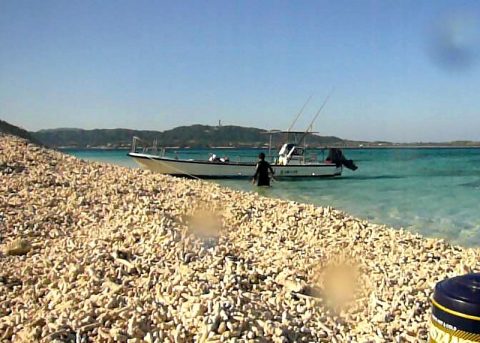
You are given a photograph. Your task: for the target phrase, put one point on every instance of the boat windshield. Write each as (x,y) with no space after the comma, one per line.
(297,152)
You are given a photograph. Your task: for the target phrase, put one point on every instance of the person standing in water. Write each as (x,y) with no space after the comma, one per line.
(261,174)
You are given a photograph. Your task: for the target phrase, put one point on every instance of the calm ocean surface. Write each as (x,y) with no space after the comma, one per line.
(435,192)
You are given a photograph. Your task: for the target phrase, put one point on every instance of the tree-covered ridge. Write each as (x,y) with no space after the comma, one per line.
(193,136)
(16,131)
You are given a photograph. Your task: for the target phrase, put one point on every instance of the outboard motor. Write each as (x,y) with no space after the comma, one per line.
(336,156)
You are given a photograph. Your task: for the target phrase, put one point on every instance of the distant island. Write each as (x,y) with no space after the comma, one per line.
(194,136)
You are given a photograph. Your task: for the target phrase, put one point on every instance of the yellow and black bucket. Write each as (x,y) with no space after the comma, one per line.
(456,310)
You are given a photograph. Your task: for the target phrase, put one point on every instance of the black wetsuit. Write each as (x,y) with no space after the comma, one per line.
(261,174)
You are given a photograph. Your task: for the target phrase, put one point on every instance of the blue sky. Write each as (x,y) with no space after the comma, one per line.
(402,70)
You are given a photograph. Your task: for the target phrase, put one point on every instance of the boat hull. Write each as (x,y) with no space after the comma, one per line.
(205,169)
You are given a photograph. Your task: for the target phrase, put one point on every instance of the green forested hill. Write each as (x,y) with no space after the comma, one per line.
(90,138)
(193,136)
(16,131)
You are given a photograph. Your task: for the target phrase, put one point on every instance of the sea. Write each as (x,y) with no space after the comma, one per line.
(431,191)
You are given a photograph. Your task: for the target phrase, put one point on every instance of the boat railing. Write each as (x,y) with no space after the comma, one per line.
(142,146)
(313,158)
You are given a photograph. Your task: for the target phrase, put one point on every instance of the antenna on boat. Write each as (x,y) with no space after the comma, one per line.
(299,113)
(317,114)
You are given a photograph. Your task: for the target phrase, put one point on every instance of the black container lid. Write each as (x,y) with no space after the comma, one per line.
(460,294)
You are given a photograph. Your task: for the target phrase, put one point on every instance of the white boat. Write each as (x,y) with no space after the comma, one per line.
(291,162)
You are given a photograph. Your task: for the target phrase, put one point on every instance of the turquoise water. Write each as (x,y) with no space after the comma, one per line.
(434,192)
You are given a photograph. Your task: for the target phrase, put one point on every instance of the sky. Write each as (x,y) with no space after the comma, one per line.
(401,71)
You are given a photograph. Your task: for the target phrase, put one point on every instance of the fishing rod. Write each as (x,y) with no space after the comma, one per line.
(299,113)
(317,114)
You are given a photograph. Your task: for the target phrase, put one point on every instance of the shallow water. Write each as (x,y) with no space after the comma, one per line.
(431,191)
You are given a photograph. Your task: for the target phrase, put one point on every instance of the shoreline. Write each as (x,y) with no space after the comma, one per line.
(127,254)
(266,148)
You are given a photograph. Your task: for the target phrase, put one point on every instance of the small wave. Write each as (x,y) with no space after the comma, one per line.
(474,184)
(379,177)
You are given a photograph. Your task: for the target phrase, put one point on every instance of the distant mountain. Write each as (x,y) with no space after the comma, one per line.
(193,136)
(67,137)
(16,131)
